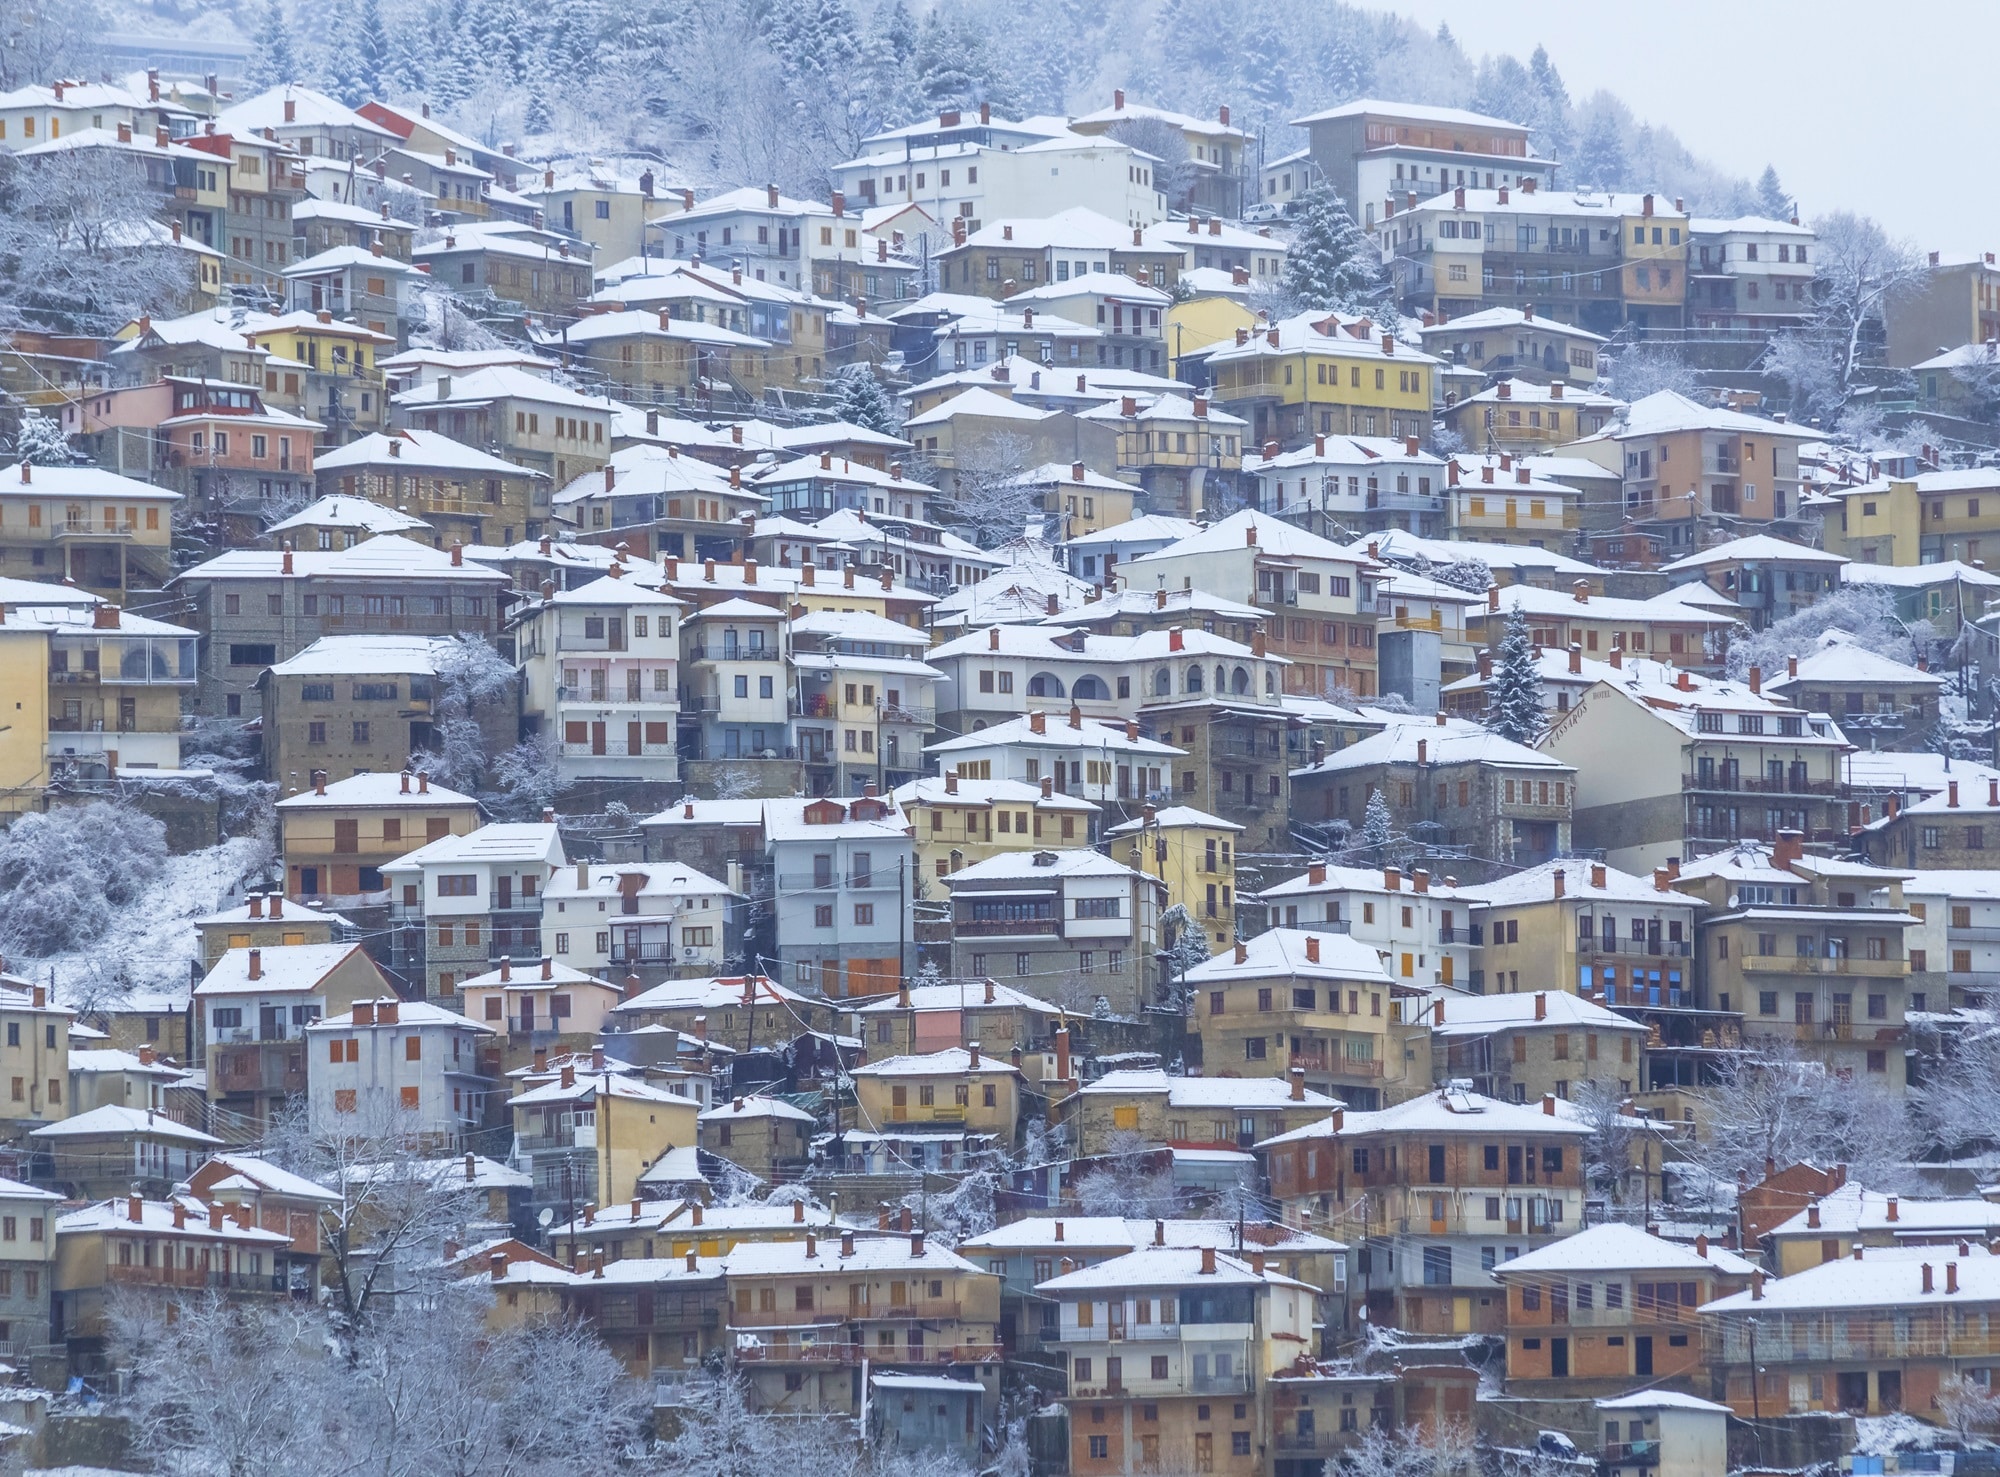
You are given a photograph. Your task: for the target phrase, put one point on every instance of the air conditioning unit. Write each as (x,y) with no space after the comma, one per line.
(690,951)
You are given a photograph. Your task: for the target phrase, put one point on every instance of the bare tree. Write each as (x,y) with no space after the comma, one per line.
(1645,369)
(1408,1452)
(1970,1409)
(1614,1137)
(1774,1102)
(1861,270)
(81,242)
(986,499)
(1124,1180)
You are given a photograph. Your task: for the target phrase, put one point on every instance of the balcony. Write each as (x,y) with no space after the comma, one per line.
(1630,1454)
(788,1352)
(902,713)
(857,882)
(1792,964)
(735,654)
(1008,928)
(194,1278)
(1733,784)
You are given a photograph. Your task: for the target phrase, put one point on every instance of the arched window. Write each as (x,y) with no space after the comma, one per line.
(1090,689)
(1239,680)
(1221,680)
(1270,681)
(1045,684)
(1194,679)
(1163,683)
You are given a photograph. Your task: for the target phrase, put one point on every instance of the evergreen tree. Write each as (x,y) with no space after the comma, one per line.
(860,399)
(41,441)
(274,63)
(1332,263)
(1514,697)
(1600,154)
(1377,830)
(1553,134)
(371,49)
(1772,202)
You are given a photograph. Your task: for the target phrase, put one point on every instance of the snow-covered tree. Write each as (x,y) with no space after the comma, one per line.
(860,399)
(1644,369)
(526,779)
(1468,572)
(1612,1149)
(1188,947)
(1773,1101)
(1599,160)
(986,500)
(1410,1451)
(1861,270)
(274,63)
(1372,842)
(1865,614)
(1332,263)
(1969,1408)
(1174,175)
(41,441)
(1772,201)
(472,679)
(81,243)
(64,873)
(1124,1180)
(1514,695)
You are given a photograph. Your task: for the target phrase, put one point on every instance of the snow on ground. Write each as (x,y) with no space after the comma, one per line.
(151,944)
(1878,1435)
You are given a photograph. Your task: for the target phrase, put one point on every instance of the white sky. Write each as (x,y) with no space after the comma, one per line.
(1866,105)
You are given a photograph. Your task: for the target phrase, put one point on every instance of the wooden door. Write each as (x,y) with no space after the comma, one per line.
(634,744)
(597,738)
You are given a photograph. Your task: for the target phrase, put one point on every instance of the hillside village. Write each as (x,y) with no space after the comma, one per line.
(997,818)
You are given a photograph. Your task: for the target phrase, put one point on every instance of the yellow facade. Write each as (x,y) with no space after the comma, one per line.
(1886,525)
(24,716)
(948,1088)
(1202,321)
(958,822)
(1195,855)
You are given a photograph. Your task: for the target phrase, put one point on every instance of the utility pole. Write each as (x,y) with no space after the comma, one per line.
(1756,1408)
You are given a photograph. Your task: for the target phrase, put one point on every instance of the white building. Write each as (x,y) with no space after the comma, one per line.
(1093,758)
(602,664)
(658,920)
(978,168)
(1419,925)
(461,904)
(399,1066)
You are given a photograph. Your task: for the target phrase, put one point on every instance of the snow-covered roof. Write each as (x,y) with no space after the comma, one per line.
(1854,1210)
(408,1013)
(1838,659)
(506,842)
(281,969)
(1150,527)
(159,1218)
(589,1087)
(1055,733)
(1369,107)
(953,1061)
(1662,1400)
(117,1119)
(1444,744)
(1166,1266)
(410,447)
(1665,412)
(712,994)
(1885,1277)
(971,794)
(1283,951)
(1443,1111)
(1755,548)
(828,1255)
(386,556)
(1482,1015)
(742,1109)
(1501,318)
(382,654)
(981,402)
(1242,1094)
(377,788)
(1174,816)
(1581,879)
(1916,576)
(1041,866)
(290,108)
(356,513)
(962,995)
(267,1176)
(1357,879)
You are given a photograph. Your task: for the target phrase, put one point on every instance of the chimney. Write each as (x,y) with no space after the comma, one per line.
(215,1217)
(1757,1283)
(1560,881)
(1597,875)
(1392,879)
(1208,1261)
(1812,1216)
(256,905)
(798,1212)
(1549,1104)
(1062,1052)
(1892,1208)
(1541,1005)
(917,1245)
(1926,1270)
(1242,953)
(256,964)
(1312,948)
(1951,1277)
(1437,1012)
(569,1075)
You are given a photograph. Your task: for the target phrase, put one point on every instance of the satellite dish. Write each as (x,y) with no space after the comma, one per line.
(545,1218)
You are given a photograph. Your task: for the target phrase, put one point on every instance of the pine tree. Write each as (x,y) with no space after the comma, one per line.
(1553,134)
(1332,263)
(1772,202)
(41,441)
(371,48)
(274,63)
(1600,153)
(1377,828)
(1514,696)
(860,399)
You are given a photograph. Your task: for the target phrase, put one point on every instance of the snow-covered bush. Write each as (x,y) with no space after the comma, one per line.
(62,873)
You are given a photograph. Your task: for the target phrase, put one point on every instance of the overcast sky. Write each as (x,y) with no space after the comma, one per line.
(1883,108)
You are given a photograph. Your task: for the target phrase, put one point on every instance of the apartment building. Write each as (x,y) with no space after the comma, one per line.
(1182,452)
(1813,952)
(1318,1003)
(844,872)
(532,271)
(335,838)
(1957,301)
(904,1303)
(959,1090)
(960,822)
(1002,257)
(1516,344)
(105,532)
(261,607)
(1194,853)
(532,421)
(1419,926)
(1370,150)
(656,920)
(1060,925)
(1695,471)
(251,1013)
(1612,1305)
(1105,762)
(1875,699)
(463,494)
(1478,801)
(739,1012)
(1750,273)
(1768,578)
(601,675)
(398,1066)
(656,503)
(1526,418)
(353,705)
(1671,771)
(1597,260)
(35,1059)
(1672,630)
(587,1137)
(864,699)
(737,691)
(1318,597)
(1206,1115)
(1520,1048)
(1444,1188)
(1339,487)
(1211,1329)
(461,904)
(1936,518)
(923,1018)
(1322,375)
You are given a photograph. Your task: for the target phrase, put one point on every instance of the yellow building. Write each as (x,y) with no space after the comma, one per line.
(1319,1002)
(106,532)
(35,1057)
(1322,374)
(962,821)
(1172,446)
(1529,419)
(336,837)
(1930,518)
(958,1088)
(616,1127)
(1194,853)
(1208,319)
(1207,1112)
(1081,500)
(1500,500)
(24,669)
(343,383)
